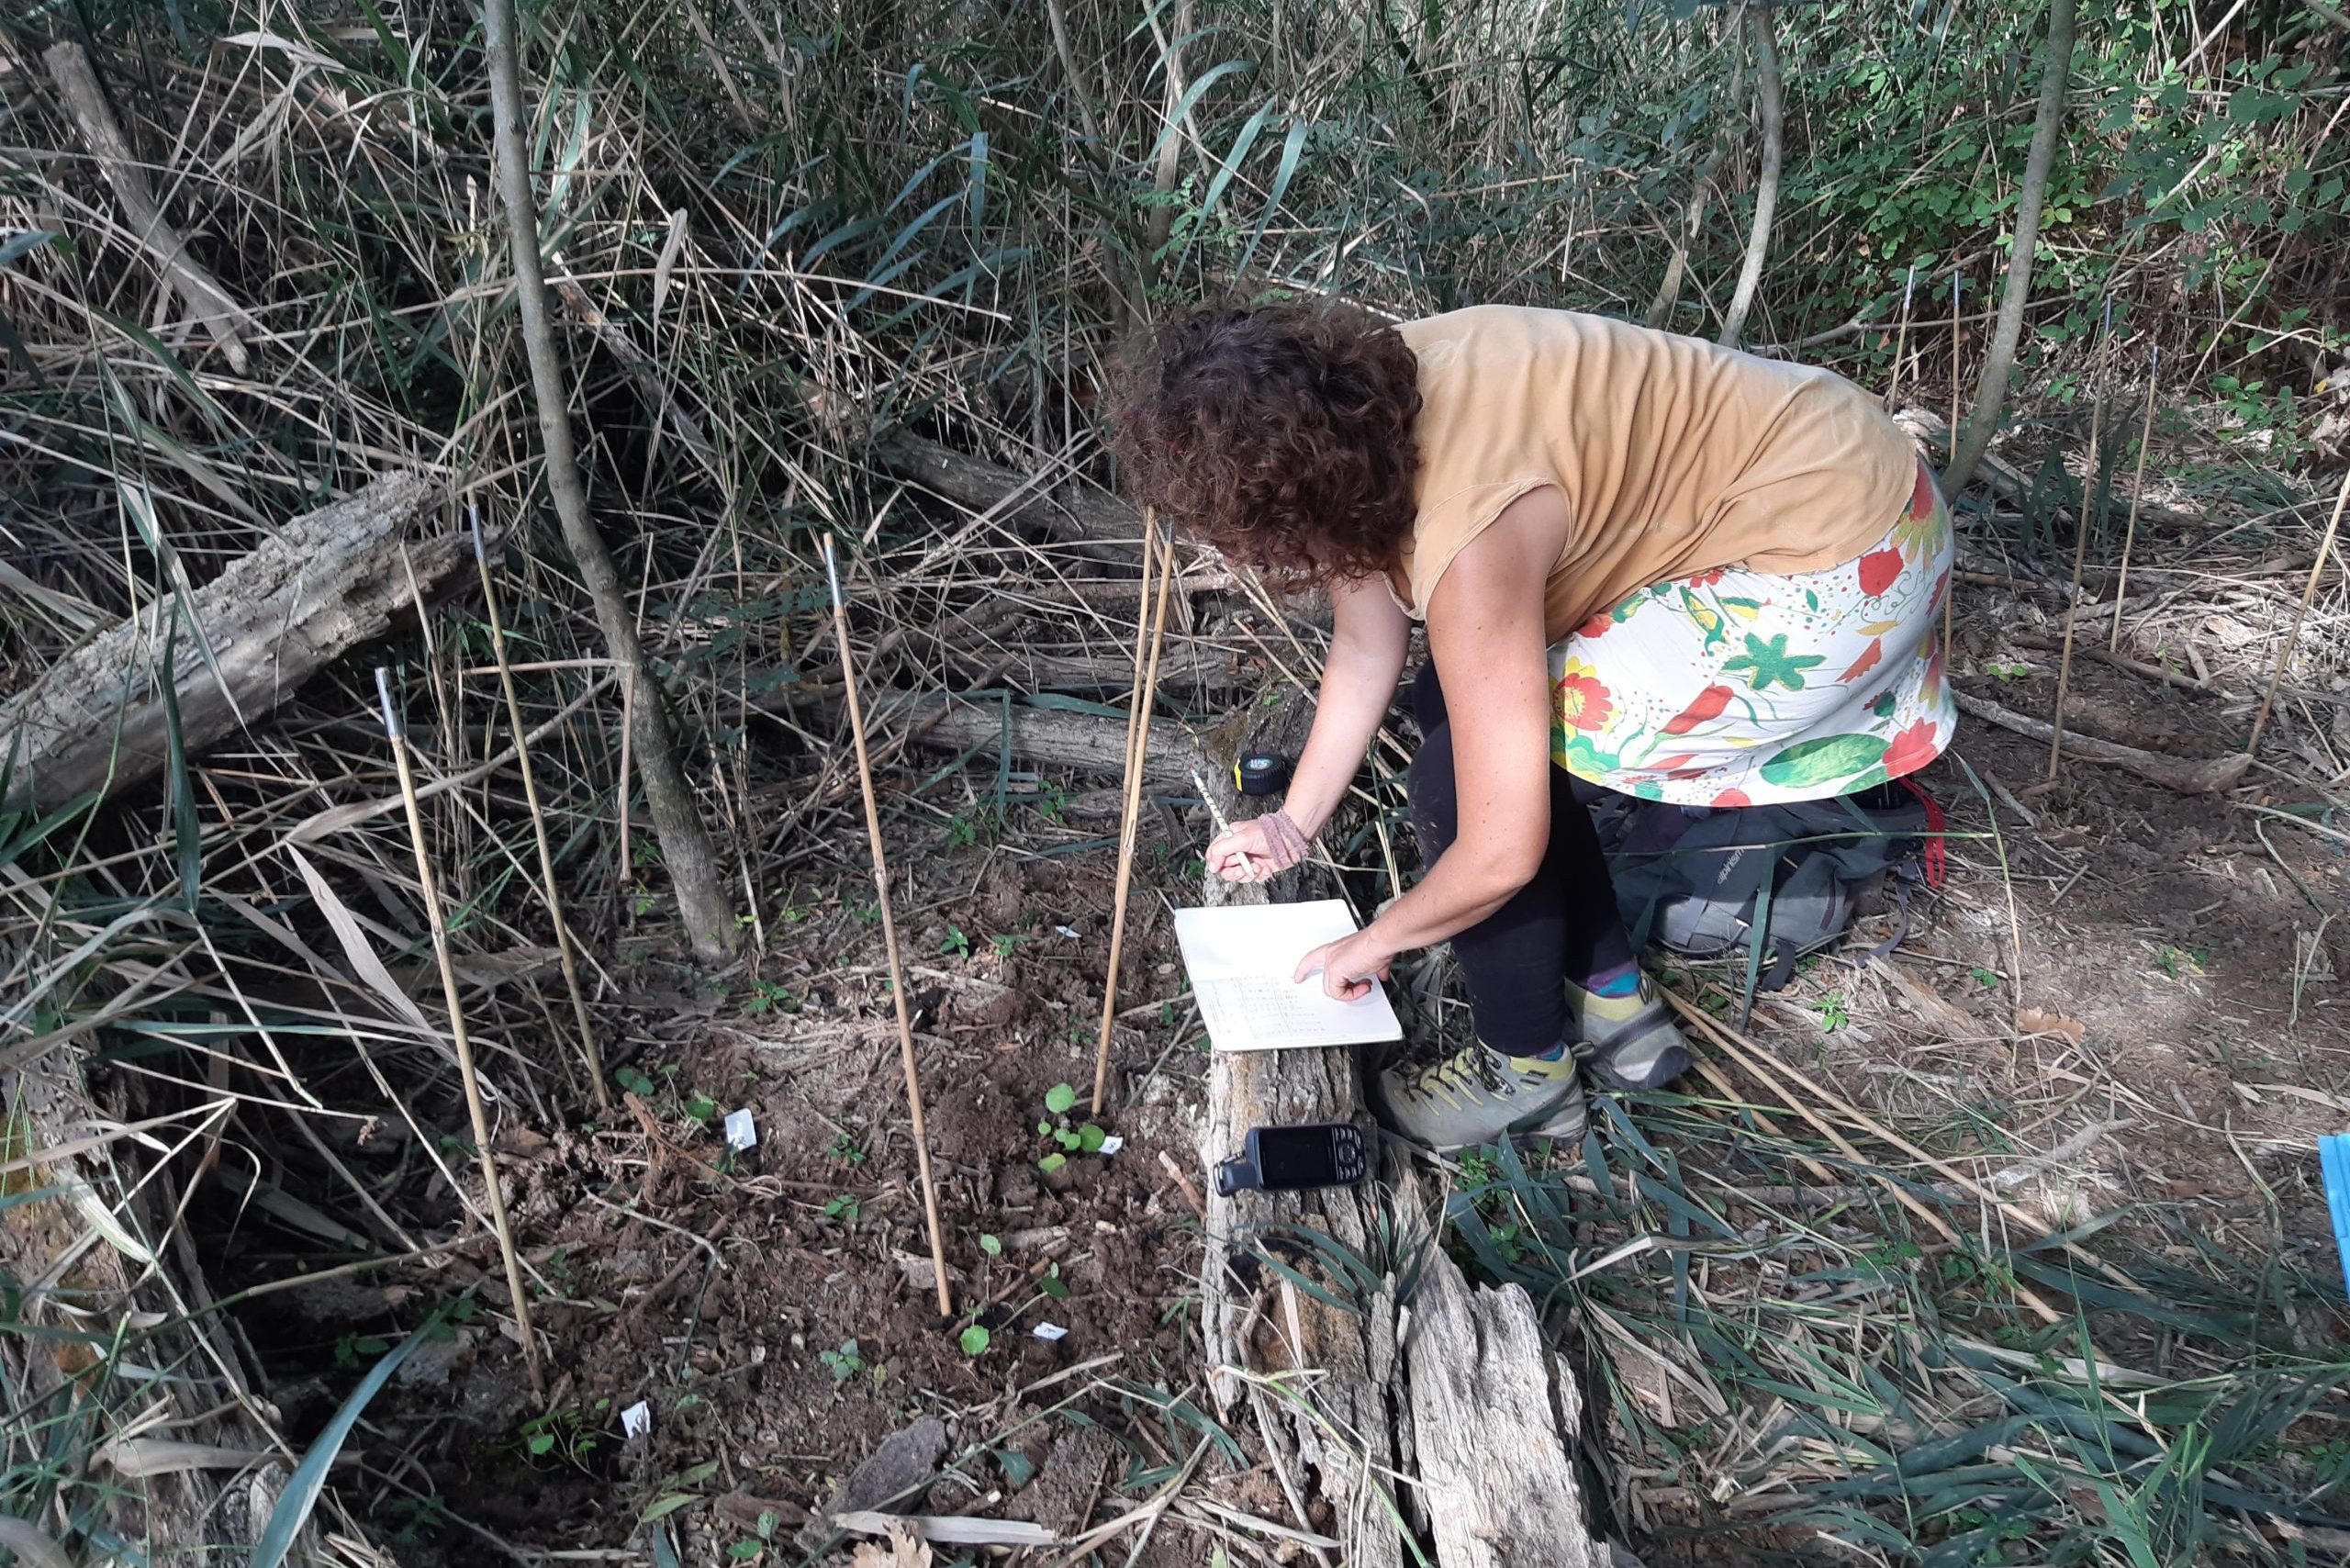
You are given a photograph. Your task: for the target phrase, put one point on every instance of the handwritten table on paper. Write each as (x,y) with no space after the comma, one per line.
(1240,958)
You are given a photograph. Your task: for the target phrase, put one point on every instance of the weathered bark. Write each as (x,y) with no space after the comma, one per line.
(1086,742)
(1339,1420)
(1766,189)
(2185,775)
(702,899)
(209,303)
(1082,514)
(1185,668)
(1991,390)
(1495,1415)
(327,582)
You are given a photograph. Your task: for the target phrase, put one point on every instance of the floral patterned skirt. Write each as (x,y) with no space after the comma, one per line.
(1735,687)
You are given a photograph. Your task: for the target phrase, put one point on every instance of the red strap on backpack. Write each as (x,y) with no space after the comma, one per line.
(1933,857)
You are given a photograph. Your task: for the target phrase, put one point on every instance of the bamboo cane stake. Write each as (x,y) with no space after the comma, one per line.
(397,732)
(1142,652)
(889,932)
(2292,636)
(2137,495)
(587,1045)
(1950,483)
(1901,338)
(1130,829)
(2081,544)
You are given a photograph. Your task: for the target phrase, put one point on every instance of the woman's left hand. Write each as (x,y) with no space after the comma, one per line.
(1350,967)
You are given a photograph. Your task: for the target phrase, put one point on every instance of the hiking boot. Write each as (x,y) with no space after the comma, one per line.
(1478,1095)
(1628,1041)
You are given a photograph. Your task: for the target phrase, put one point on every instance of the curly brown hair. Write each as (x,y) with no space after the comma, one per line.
(1282,434)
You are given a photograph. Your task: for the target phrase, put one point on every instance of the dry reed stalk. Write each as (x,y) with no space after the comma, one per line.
(2137,496)
(1753,1056)
(587,1045)
(888,931)
(1139,743)
(1901,336)
(1952,478)
(397,732)
(2293,633)
(1726,1039)
(2081,525)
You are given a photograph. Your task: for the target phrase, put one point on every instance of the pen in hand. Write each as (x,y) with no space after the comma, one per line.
(1222,826)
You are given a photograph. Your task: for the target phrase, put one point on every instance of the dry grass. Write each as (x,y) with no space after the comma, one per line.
(773,242)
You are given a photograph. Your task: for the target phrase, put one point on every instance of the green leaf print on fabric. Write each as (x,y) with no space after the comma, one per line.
(1704,617)
(1579,756)
(1763,663)
(1816,762)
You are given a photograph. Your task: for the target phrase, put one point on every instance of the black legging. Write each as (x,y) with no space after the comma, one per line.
(1561,926)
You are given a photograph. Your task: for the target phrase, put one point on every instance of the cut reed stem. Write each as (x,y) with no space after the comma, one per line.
(2083,521)
(587,1045)
(888,931)
(2137,495)
(1137,748)
(1901,337)
(397,732)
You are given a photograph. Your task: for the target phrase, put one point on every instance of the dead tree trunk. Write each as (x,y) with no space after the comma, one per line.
(1495,1417)
(1318,1379)
(1991,390)
(1766,189)
(327,582)
(1471,1410)
(686,850)
(207,301)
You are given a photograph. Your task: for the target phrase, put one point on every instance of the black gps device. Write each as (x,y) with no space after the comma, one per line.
(1289,1160)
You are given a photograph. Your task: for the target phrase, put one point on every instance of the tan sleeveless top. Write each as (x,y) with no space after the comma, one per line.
(1674,456)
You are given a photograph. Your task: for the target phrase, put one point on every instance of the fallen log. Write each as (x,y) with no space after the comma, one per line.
(1084,743)
(1464,1434)
(2187,776)
(1082,514)
(1495,1415)
(1319,1379)
(207,301)
(326,582)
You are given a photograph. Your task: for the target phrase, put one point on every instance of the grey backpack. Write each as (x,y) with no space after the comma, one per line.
(1775,881)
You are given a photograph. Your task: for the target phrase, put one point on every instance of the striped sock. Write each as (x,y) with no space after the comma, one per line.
(1616,981)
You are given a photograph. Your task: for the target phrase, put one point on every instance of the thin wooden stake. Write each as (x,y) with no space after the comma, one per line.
(1901,338)
(2137,494)
(2309,592)
(1950,483)
(2083,521)
(1138,749)
(889,932)
(397,732)
(587,1045)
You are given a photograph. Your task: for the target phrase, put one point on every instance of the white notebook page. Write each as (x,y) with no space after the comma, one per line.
(1240,958)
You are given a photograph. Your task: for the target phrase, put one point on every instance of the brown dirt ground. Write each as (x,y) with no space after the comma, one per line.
(2203,986)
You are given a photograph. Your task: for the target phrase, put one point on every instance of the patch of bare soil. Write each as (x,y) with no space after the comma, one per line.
(775,1310)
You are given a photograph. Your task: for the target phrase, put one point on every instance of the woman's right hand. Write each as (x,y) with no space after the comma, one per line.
(1255,848)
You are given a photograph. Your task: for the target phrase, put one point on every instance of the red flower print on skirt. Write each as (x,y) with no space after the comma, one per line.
(1878,570)
(1731,797)
(1584,703)
(1911,749)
